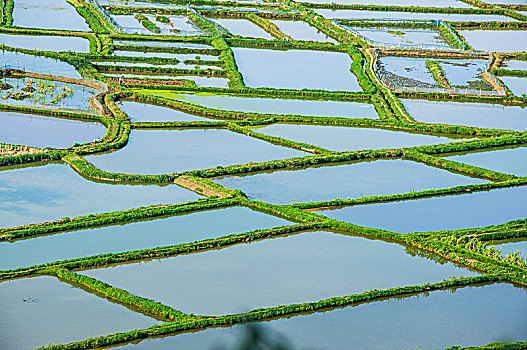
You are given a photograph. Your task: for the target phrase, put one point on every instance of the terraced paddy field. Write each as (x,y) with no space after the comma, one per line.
(296,69)
(329,329)
(46,42)
(354,14)
(42,131)
(47,14)
(293,175)
(317,108)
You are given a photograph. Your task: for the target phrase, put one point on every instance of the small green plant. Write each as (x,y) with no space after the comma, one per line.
(397,32)
(162,19)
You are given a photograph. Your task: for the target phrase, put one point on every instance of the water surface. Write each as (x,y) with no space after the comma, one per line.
(404,36)
(318,108)
(180,25)
(243,27)
(508,161)
(344,181)
(54,191)
(296,69)
(514,245)
(141,4)
(300,268)
(517,85)
(300,30)
(508,2)
(57,312)
(204,81)
(144,112)
(169,151)
(162,44)
(465,73)
(179,65)
(359,14)
(358,327)
(139,235)
(177,22)
(43,131)
(350,139)
(414,72)
(406,71)
(429,3)
(179,56)
(38,64)
(439,213)
(515,64)
(496,40)
(46,42)
(48,14)
(483,115)
(49,94)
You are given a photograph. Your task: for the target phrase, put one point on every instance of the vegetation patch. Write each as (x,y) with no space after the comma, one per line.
(438,73)
(145,22)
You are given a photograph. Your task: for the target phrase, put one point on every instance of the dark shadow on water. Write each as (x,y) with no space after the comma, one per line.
(258,337)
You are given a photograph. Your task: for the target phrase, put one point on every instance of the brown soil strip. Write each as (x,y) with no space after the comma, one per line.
(432,54)
(496,86)
(188,183)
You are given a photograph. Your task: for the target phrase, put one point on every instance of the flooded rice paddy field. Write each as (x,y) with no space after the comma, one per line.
(178,25)
(177,56)
(48,14)
(143,112)
(481,115)
(44,131)
(33,194)
(278,271)
(429,3)
(38,64)
(163,214)
(296,69)
(507,2)
(32,302)
(496,40)
(404,37)
(317,108)
(476,209)
(46,42)
(392,317)
(351,139)
(151,151)
(300,30)
(149,4)
(138,235)
(180,65)
(517,85)
(414,72)
(514,65)
(162,44)
(47,94)
(509,161)
(242,27)
(380,15)
(380,177)
(513,246)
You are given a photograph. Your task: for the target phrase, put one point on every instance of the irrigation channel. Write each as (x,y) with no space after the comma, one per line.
(204,174)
